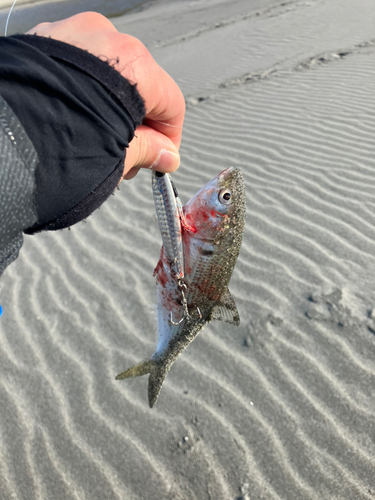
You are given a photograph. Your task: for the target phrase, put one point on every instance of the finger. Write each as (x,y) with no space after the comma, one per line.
(151,149)
(85,30)
(167,114)
(36,28)
(132,173)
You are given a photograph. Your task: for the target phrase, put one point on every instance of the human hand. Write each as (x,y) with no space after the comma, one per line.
(158,139)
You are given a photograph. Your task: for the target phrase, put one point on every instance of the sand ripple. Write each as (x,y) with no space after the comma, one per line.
(281,407)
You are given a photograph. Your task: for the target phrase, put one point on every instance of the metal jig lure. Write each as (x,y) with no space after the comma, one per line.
(170,217)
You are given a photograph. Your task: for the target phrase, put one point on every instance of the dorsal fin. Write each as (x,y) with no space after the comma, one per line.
(226,310)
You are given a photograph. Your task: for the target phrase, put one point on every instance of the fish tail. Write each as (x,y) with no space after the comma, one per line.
(157,375)
(157,371)
(137,370)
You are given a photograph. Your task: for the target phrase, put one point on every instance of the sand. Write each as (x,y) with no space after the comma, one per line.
(28,13)
(282,407)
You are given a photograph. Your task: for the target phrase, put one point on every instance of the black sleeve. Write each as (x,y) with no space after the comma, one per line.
(18,161)
(80,115)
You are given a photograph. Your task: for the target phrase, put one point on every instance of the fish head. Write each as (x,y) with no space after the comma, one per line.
(219,206)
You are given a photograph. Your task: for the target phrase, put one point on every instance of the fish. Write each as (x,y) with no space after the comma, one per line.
(211,241)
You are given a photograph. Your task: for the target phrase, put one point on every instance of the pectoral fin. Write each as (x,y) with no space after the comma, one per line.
(226,310)
(157,371)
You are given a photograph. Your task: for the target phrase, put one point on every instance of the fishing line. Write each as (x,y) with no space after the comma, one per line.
(6,24)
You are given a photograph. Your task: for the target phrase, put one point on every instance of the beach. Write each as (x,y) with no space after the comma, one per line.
(281,407)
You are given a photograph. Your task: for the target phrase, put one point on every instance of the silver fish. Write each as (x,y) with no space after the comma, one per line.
(211,244)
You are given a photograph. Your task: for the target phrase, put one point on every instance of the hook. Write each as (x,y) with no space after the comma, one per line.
(182,287)
(173,322)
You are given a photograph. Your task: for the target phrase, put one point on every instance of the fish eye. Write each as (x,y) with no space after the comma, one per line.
(225,197)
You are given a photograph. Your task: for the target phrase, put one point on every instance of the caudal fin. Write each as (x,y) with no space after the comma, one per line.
(137,370)
(157,371)
(155,381)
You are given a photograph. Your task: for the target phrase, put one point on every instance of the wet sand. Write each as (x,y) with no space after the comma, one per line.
(282,407)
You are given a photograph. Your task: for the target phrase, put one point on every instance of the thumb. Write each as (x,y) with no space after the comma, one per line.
(150,149)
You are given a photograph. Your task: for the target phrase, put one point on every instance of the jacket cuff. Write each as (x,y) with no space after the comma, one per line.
(80,114)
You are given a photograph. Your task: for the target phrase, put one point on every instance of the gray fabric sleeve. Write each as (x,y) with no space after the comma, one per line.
(18,162)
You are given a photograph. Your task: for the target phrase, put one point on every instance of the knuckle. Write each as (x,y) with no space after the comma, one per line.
(130,43)
(139,147)
(92,17)
(92,20)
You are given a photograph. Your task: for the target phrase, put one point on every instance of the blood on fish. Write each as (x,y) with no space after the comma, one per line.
(187,223)
(166,299)
(159,270)
(202,214)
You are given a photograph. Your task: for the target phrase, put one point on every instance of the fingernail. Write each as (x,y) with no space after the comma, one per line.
(167,160)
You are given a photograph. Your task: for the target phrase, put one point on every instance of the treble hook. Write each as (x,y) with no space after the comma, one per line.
(182,287)
(186,315)
(199,313)
(178,322)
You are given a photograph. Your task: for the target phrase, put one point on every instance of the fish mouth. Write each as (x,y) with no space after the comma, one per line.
(231,173)
(225,173)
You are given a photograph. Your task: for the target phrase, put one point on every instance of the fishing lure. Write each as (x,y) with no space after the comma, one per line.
(171,217)
(168,214)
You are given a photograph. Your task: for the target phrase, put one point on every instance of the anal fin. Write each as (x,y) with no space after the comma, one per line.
(226,310)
